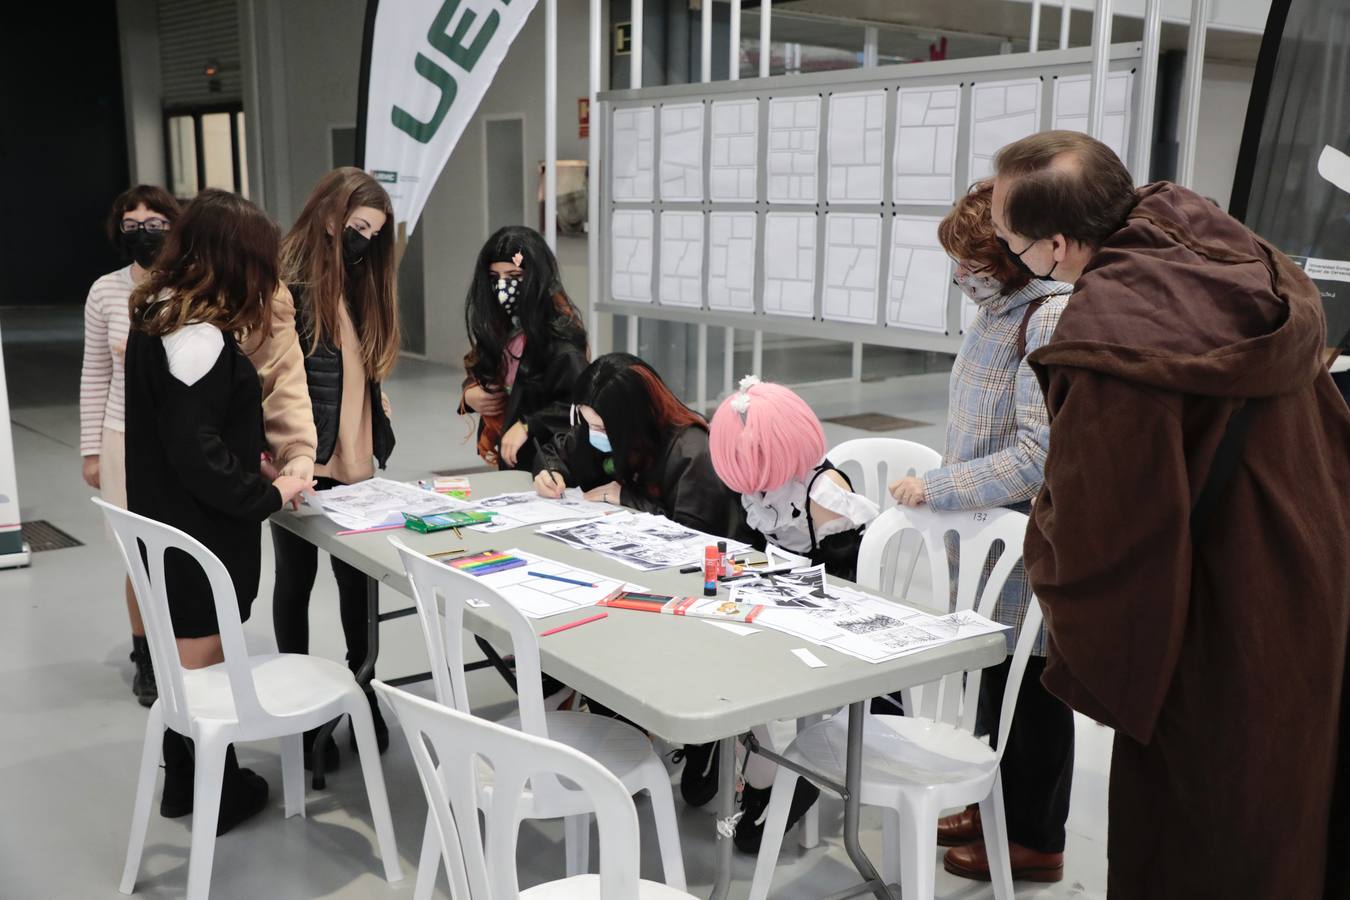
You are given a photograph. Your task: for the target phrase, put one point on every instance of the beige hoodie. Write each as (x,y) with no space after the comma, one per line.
(288,418)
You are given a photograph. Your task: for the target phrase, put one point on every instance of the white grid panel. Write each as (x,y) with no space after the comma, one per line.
(856,145)
(925,145)
(794,148)
(790,263)
(735,150)
(681,258)
(631,269)
(1071,100)
(682,151)
(920,275)
(634,153)
(1001,112)
(731,261)
(852,260)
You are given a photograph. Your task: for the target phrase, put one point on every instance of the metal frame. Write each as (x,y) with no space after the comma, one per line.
(1047,64)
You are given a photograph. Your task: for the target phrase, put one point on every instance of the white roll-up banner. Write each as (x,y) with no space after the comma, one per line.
(424,69)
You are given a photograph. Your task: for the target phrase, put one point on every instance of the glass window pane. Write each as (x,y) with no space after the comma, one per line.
(216,151)
(182,156)
(243,154)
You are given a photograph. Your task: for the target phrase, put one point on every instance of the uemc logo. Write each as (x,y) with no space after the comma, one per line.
(460,49)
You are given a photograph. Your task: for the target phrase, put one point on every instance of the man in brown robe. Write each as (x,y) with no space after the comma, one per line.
(1216,649)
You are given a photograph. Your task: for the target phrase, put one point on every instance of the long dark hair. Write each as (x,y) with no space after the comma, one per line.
(218,265)
(311,255)
(546,313)
(640,412)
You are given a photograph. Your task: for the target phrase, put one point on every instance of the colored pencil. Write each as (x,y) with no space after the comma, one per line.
(352,531)
(451,552)
(560,578)
(594,618)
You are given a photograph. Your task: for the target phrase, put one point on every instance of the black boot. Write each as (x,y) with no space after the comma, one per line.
(755,803)
(698,780)
(381,729)
(143,682)
(332,760)
(243,793)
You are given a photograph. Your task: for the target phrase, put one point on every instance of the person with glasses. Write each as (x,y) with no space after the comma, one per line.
(338,260)
(998,435)
(137,225)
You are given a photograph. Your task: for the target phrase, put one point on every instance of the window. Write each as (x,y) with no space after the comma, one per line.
(205,148)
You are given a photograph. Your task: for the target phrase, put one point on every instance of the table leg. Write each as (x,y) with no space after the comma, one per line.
(726,808)
(857,714)
(364,673)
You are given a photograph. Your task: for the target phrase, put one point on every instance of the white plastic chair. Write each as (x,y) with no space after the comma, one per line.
(245,698)
(616,745)
(917,765)
(481,859)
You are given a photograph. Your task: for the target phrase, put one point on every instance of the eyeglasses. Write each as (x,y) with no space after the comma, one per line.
(153,226)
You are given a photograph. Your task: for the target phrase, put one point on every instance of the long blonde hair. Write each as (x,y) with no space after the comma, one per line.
(311,256)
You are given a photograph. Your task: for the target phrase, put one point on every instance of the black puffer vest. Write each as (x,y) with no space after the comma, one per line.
(323,373)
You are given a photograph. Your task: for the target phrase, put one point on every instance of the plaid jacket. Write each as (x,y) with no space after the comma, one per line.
(998,431)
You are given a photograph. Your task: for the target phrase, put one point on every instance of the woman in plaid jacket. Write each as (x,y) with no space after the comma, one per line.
(998,433)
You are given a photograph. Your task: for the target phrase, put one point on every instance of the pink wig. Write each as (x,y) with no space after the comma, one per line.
(764,436)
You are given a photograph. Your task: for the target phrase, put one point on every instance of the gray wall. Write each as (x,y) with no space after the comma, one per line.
(138,33)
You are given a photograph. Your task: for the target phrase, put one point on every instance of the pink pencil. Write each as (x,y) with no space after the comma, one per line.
(368,530)
(594,618)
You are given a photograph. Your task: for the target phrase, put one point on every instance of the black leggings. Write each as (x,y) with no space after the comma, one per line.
(297,562)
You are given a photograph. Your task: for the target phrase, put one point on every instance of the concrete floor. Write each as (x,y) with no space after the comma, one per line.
(70,732)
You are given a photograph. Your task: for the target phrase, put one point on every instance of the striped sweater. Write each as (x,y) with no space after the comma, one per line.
(106,323)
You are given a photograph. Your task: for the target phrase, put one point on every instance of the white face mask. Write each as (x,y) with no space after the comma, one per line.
(506,293)
(979,288)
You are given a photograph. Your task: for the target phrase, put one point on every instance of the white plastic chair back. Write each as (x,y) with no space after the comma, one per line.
(873,463)
(143,543)
(459,741)
(953,699)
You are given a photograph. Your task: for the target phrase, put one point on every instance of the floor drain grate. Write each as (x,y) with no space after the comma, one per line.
(42,535)
(871,421)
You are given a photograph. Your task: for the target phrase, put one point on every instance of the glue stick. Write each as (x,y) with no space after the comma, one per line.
(712,567)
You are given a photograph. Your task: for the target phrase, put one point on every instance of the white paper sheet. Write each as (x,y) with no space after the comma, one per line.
(1001,112)
(925,145)
(682,151)
(634,153)
(856,145)
(731,261)
(735,150)
(640,540)
(919,282)
(528,508)
(379,501)
(631,255)
(852,260)
(1334,167)
(790,263)
(1072,99)
(794,146)
(738,630)
(539,597)
(681,282)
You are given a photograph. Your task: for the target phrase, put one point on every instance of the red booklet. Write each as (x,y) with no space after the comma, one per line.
(699,607)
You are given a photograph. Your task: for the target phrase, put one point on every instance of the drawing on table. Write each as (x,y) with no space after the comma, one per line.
(856,144)
(520,584)
(631,252)
(790,263)
(1001,112)
(794,145)
(682,151)
(640,540)
(681,281)
(735,150)
(731,257)
(925,145)
(634,153)
(852,257)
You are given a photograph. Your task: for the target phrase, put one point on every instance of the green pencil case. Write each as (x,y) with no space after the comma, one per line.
(442,521)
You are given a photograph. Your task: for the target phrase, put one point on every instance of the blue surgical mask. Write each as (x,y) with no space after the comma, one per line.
(600,441)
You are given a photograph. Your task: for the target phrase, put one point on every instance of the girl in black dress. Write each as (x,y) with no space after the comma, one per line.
(194,439)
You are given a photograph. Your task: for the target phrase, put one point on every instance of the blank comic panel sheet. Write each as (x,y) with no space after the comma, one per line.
(857,139)
(682,151)
(634,154)
(925,145)
(682,258)
(735,151)
(1071,107)
(1001,112)
(920,276)
(794,148)
(852,259)
(731,261)
(790,264)
(631,252)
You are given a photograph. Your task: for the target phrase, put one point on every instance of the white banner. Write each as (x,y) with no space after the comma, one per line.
(11,535)
(430,62)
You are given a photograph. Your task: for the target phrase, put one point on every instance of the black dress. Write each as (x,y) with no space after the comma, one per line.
(192,461)
(681,483)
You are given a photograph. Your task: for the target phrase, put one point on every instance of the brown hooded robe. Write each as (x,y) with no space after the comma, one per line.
(1219,662)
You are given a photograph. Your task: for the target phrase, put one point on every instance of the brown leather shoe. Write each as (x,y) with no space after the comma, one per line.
(961,828)
(971,861)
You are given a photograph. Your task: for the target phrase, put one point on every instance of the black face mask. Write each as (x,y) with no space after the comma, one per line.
(354,246)
(142,247)
(1016,259)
